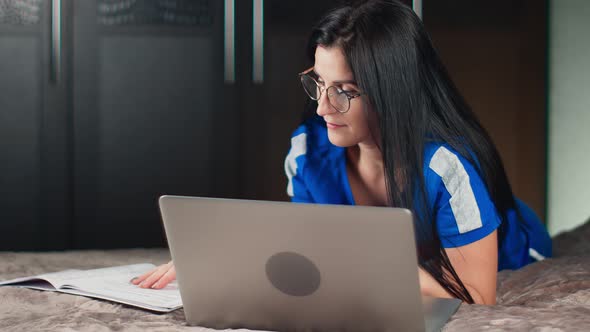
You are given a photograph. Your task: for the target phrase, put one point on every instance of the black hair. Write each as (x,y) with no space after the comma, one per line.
(396,66)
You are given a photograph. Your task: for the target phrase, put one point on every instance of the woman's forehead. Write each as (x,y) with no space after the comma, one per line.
(331,64)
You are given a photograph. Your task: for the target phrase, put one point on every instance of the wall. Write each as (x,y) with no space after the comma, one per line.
(569,115)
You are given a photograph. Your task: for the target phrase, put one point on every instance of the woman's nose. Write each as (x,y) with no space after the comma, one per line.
(324,106)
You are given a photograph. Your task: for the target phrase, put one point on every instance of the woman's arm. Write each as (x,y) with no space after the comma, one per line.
(476,265)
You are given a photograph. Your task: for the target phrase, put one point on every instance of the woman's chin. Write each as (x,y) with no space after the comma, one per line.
(342,141)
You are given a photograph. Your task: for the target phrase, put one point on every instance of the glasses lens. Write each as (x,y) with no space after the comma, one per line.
(310,87)
(338,99)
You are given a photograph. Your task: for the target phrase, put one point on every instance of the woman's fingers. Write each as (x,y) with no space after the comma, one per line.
(167,278)
(150,276)
(155,276)
(138,280)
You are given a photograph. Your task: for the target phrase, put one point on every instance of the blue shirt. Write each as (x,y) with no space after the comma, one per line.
(464,211)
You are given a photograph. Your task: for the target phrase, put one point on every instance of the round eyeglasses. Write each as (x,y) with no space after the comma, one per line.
(338,98)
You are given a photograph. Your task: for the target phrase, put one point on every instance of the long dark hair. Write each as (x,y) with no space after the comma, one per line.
(406,84)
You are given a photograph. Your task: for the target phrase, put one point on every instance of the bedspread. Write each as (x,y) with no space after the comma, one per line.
(550,295)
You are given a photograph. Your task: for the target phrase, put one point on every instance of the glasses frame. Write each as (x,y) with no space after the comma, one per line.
(348,95)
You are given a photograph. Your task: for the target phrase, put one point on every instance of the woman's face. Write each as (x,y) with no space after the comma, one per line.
(344,129)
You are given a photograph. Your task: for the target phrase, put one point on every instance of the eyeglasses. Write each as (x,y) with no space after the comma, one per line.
(338,98)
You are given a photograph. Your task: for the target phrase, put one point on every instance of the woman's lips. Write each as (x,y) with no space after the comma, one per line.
(333,125)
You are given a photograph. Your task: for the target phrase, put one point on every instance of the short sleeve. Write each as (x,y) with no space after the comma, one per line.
(294,167)
(463,208)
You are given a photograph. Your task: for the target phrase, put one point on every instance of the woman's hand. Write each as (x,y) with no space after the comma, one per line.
(157,278)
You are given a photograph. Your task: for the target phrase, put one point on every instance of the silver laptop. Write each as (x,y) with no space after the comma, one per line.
(282,266)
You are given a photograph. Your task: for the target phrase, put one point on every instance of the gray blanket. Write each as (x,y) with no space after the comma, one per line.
(552,295)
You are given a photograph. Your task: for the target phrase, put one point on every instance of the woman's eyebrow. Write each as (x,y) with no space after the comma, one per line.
(339,81)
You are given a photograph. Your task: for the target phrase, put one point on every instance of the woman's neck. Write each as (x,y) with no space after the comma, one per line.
(367,159)
(366,175)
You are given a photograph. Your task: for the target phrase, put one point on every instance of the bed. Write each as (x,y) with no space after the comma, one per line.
(551,295)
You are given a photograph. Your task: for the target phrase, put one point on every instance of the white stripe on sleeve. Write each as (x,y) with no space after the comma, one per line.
(456,180)
(298,148)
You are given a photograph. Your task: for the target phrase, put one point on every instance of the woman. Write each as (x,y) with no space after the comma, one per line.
(391,129)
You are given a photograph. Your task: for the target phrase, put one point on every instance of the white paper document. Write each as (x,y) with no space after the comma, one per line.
(111,283)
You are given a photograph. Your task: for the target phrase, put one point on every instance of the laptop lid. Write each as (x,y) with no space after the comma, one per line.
(290,266)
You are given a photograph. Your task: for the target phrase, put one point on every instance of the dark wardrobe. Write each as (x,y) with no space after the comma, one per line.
(107,104)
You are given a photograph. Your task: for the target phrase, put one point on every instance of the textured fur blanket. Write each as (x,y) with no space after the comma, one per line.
(552,295)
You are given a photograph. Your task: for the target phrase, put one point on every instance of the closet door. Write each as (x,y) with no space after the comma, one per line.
(33,181)
(273,99)
(153,114)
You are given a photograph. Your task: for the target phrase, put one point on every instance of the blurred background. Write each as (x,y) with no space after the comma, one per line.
(107,104)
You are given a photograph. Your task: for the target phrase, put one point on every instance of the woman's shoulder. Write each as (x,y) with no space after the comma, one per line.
(311,139)
(458,195)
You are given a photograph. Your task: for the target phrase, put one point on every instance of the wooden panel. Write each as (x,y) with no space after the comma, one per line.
(501,71)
